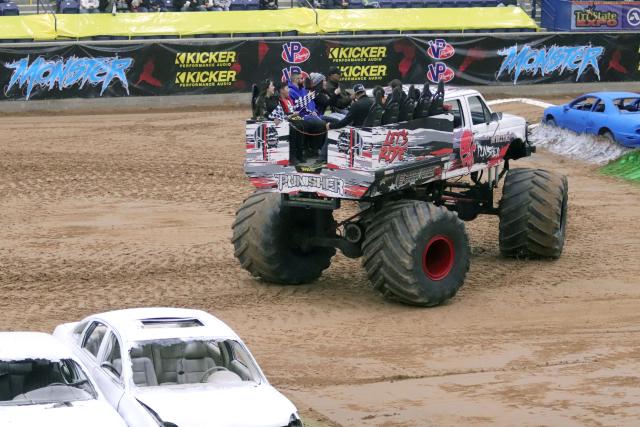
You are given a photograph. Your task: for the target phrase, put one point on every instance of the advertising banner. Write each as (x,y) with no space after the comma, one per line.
(212,67)
(605,16)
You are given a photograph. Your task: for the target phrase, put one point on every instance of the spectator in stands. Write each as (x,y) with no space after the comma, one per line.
(269,4)
(265,101)
(358,111)
(106,6)
(218,5)
(89,6)
(338,4)
(339,100)
(151,6)
(189,5)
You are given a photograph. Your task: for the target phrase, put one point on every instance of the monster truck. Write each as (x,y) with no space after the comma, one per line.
(413,183)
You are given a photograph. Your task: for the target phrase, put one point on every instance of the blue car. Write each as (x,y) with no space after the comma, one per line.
(613,115)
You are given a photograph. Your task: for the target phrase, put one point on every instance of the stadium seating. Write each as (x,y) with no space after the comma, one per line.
(68,6)
(244,5)
(8,9)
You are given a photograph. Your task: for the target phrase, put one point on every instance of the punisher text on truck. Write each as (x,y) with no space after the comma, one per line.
(414,184)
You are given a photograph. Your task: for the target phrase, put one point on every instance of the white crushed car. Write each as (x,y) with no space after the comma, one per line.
(43,384)
(176,368)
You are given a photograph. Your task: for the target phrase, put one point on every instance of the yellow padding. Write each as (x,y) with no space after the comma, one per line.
(303,20)
(186,23)
(405,20)
(37,27)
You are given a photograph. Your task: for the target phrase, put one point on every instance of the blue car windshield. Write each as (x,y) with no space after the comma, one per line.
(627,105)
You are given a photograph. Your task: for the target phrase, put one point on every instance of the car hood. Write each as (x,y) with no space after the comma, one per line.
(92,413)
(196,405)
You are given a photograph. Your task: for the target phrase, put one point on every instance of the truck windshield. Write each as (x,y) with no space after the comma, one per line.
(32,382)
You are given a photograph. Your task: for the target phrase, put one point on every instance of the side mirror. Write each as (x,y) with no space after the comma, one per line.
(565,108)
(496,117)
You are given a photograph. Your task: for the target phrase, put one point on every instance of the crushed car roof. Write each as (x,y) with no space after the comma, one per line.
(133,324)
(16,346)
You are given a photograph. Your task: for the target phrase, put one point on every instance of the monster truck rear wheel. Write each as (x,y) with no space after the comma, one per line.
(264,235)
(533,214)
(416,252)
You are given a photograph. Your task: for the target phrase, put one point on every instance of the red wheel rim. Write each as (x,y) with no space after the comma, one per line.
(437,257)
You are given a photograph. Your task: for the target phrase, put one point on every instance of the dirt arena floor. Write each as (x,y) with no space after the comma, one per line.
(100,212)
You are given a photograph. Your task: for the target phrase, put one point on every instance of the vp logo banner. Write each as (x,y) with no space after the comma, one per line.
(65,73)
(295,53)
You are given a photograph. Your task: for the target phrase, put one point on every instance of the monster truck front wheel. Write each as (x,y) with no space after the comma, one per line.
(264,236)
(416,252)
(533,214)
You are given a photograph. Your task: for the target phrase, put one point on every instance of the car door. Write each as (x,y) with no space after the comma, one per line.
(596,116)
(90,344)
(108,372)
(576,114)
(481,124)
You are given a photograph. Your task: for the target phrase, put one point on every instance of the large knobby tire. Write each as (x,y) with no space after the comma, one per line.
(416,253)
(263,240)
(533,214)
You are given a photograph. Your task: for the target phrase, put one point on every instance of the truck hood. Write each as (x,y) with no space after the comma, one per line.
(200,405)
(92,413)
(512,120)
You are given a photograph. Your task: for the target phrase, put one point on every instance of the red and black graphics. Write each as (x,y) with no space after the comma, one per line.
(480,150)
(266,142)
(373,148)
(350,143)
(467,149)
(395,146)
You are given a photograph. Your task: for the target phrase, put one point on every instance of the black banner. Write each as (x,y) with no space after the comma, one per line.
(88,71)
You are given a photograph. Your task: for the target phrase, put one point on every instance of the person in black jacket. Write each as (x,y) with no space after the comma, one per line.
(339,100)
(358,111)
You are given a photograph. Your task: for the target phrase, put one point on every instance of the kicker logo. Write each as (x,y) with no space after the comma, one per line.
(205,59)
(205,78)
(363,72)
(346,54)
